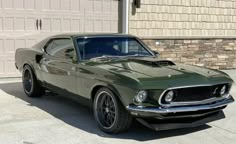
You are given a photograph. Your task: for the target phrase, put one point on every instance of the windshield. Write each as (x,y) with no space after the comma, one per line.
(91,48)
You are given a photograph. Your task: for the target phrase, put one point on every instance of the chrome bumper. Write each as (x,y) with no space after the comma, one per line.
(163,110)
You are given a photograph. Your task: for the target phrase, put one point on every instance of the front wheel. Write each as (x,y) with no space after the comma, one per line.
(30,83)
(109,113)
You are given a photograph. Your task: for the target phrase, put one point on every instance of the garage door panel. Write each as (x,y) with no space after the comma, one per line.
(89,25)
(7,66)
(114,7)
(106,26)
(19,24)
(30,42)
(75,25)
(18,4)
(7,4)
(89,6)
(65,5)
(56,25)
(98,26)
(66,25)
(30,24)
(46,4)
(29,4)
(1,24)
(97,6)
(10,66)
(75,5)
(46,27)
(38,4)
(8,24)
(114,26)
(9,46)
(107,6)
(1,47)
(2,69)
(55,4)
(19,43)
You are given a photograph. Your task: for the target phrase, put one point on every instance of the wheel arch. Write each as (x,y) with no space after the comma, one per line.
(32,68)
(110,87)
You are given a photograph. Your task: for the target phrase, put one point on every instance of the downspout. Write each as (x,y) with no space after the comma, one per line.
(125,16)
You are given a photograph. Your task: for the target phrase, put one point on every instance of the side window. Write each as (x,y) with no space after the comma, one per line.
(135,48)
(48,47)
(61,48)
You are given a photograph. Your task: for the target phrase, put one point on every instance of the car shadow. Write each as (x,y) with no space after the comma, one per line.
(81,117)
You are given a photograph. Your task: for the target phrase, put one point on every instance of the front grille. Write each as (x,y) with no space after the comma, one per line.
(200,93)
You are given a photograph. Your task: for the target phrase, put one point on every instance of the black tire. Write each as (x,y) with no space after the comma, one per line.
(30,84)
(109,113)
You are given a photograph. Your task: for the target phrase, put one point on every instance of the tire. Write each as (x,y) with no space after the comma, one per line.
(30,84)
(109,113)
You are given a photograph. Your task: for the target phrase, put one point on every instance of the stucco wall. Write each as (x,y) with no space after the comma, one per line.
(183,18)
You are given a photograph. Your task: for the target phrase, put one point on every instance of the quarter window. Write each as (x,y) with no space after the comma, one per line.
(61,48)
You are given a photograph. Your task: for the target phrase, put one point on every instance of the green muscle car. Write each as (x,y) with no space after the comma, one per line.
(122,80)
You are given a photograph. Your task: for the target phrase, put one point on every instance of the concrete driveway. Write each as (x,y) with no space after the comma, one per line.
(55,120)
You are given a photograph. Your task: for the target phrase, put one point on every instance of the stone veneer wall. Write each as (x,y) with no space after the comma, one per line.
(214,53)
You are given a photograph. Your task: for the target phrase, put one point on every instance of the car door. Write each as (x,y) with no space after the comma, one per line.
(59,65)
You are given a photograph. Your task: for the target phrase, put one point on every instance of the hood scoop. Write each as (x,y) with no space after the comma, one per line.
(153,61)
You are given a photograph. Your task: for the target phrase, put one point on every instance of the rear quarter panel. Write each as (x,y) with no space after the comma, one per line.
(27,56)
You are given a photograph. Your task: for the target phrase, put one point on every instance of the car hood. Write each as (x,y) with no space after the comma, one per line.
(150,74)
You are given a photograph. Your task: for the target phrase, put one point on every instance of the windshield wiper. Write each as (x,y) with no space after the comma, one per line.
(105,57)
(113,57)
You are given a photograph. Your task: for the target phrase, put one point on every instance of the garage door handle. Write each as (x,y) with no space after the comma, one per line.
(37,24)
(40,24)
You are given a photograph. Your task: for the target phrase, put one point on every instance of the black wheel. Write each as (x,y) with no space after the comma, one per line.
(30,83)
(109,113)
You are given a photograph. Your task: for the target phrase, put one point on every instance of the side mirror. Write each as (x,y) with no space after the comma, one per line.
(157,54)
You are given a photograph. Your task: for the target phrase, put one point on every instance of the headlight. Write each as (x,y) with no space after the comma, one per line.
(141,96)
(169,96)
(223,90)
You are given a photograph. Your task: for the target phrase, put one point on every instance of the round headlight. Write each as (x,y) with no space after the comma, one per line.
(141,96)
(169,96)
(223,90)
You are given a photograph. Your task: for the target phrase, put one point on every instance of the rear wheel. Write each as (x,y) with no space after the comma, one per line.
(109,113)
(30,84)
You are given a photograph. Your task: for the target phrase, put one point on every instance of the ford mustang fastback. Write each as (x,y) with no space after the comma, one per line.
(122,80)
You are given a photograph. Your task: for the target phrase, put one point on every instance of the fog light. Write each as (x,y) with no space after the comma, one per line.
(223,90)
(141,96)
(169,96)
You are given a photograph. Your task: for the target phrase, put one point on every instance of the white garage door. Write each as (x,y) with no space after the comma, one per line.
(24,22)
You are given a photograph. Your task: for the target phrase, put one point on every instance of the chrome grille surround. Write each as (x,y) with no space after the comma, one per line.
(200,102)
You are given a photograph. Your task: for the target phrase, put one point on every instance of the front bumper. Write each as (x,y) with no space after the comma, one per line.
(135,110)
(183,123)
(165,118)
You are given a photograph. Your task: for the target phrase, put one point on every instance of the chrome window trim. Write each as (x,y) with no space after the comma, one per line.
(194,102)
